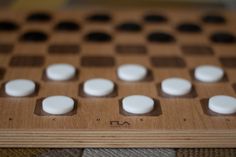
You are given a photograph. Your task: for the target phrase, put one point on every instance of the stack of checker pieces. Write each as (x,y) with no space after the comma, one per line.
(168,42)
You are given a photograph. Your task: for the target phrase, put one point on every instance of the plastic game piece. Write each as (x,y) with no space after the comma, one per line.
(176,86)
(160,37)
(20,87)
(129,27)
(138,104)
(98,87)
(131,72)
(58,104)
(208,73)
(60,72)
(222,104)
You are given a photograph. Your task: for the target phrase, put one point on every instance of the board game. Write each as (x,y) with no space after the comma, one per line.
(169,43)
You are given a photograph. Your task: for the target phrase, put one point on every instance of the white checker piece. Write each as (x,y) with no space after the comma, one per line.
(208,73)
(58,104)
(20,87)
(60,72)
(132,72)
(222,104)
(98,87)
(176,86)
(138,104)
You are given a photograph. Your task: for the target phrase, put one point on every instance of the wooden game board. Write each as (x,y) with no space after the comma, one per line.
(29,44)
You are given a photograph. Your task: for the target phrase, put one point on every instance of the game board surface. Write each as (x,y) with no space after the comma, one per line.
(168,42)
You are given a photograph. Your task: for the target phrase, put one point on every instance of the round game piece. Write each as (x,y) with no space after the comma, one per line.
(60,72)
(132,72)
(20,87)
(58,104)
(208,73)
(222,104)
(138,104)
(98,87)
(176,86)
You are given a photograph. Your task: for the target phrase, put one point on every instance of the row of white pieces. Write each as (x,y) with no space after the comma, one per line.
(136,104)
(93,87)
(133,72)
(99,87)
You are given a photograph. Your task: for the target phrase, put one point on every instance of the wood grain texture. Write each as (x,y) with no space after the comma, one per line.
(98,122)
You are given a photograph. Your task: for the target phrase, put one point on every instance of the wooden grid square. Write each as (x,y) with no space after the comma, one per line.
(26,61)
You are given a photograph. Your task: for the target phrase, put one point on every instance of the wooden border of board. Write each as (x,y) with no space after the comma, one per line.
(117,139)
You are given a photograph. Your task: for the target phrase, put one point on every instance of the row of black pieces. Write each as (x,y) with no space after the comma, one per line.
(161,37)
(109,61)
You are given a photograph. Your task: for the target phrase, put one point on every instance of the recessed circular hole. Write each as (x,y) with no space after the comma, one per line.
(99,17)
(160,37)
(129,27)
(155,18)
(34,36)
(222,37)
(98,37)
(39,17)
(214,19)
(189,27)
(67,26)
(8,26)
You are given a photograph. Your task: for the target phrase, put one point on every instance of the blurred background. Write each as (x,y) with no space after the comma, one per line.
(74,4)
